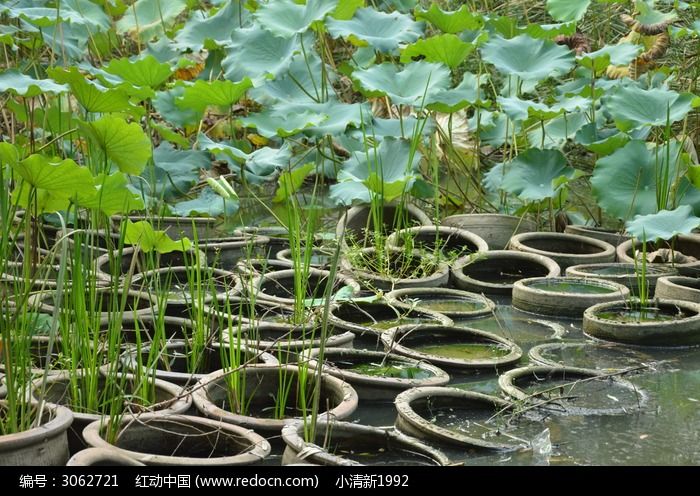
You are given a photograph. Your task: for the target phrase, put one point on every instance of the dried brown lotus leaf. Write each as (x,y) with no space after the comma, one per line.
(577,42)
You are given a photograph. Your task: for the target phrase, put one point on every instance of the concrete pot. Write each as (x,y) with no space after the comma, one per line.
(390,446)
(495,272)
(565,249)
(44,445)
(181,440)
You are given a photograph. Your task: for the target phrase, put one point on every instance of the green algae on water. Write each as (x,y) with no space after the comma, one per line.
(388,324)
(464,351)
(451,305)
(391,369)
(647,315)
(572,287)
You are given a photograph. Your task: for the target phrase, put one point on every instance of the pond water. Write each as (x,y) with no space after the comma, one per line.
(665,431)
(572,287)
(382,324)
(388,368)
(449,305)
(463,351)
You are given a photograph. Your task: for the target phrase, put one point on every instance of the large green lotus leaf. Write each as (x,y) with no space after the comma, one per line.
(259,165)
(567,10)
(106,78)
(146,71)
(680,32)
(149,18)
(113,196)
(391,161)
(169,135)
(66,29)
(202,31)
(624,182)
(346,9)
(54,119)
(300,83)
(265,162)
(62,177)
(620,54)
(90,94)
(348,192)
(558,130)
(207,203)
(377,129)
(498,129)
(291,180)
(339,115)
(217,148)
(601,141)
(286,17)
(505,26)
(389,170)
(176,171)
(527,57)
(72,39)
(256,53)
(536,175)
(389,191)
(466,93)
(508,27)
(448,49)
(450,22)
(416,85)
(87,13)
(494,178)
(11,36)
(56,183)
(271,122)
(664,224)
(548,31)
(73,12)
(632,106)
(148,239)
(649,15)
(201,94)
(124,143)
(404,6)
(40,16)
(9,155)
(163,50)
(383,32)
(165,102)
(15,82)
(688,194)
(519,110)
(45,201)
(693,174)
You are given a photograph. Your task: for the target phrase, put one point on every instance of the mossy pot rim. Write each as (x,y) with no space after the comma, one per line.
(395,297)
(292,433)
(593,311)
(347,399)
(439,377)
(61,419)
(260,446)
(605,249)
(415,421)
(506,382)
(616,288)
(438,317)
